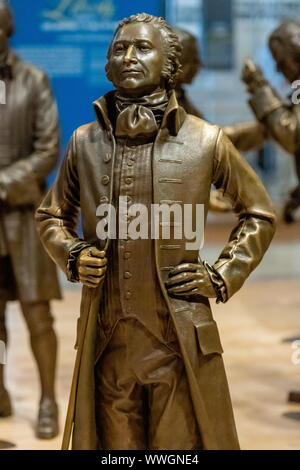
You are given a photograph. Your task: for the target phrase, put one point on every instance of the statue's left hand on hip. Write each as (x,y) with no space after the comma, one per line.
(190,279)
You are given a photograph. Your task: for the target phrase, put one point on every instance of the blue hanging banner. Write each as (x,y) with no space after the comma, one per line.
(69,40)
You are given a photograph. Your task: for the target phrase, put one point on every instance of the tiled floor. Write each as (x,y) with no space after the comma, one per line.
(253,327)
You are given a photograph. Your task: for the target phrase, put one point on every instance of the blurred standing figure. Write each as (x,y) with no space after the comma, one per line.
(276,118)
(29,145)
(191,64)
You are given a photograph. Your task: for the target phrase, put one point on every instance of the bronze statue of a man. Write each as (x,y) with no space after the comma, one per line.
(29,144)
(276,118)
(149,372)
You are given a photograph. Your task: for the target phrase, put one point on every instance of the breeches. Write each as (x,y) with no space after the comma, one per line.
(142,394)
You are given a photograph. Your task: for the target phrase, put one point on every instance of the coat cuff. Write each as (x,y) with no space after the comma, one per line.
(72,273)
(264,101)
(218,283)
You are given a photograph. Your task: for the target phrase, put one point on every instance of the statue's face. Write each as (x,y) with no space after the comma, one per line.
(285,63)
(137,59)
(3,30)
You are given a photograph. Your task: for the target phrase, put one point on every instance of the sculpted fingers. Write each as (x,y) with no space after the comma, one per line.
(180,278)
(188,267)
(91,281)
(184,288)
(91,266)
(92,262)
(248,71)
(94,272)
(97,253)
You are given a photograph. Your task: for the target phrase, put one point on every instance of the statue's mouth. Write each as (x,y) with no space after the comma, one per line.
(131,72)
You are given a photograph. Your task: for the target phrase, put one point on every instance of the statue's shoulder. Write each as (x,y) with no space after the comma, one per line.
(87,129)
(89,132)
(27,69)
(199,129)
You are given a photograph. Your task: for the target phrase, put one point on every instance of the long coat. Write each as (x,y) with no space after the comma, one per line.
(189,155)
(29,148)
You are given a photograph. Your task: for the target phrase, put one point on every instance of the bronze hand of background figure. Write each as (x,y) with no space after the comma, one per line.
(91,266)
(252,76)
(190,279)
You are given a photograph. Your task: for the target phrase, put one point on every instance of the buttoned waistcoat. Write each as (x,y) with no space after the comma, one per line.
(189,155)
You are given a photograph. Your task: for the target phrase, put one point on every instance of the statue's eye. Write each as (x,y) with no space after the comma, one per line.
(119,48)
(143,47)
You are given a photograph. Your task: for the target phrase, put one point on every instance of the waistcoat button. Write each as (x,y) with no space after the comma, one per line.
(104,200)
(105,180)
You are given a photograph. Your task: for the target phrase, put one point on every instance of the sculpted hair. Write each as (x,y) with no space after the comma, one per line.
(4,6)
(288,36)
(172,66)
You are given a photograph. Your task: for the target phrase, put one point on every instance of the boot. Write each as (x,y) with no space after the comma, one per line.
(43,343)
(5,404)
(47,424)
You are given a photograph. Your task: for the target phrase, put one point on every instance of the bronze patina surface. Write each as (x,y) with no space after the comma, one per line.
(276,118)
(29,145)
(149,372)
(191,65)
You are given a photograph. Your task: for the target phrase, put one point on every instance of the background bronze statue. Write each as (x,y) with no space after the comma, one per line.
(29,145)
(191,65)
(281,120)
(276,119)
(149,372)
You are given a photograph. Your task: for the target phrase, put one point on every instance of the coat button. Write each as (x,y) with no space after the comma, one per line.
(127,255)
(127,275)
(130,161)
(107,158)
(128,295)
(104,200)
(105,180)
(128,180)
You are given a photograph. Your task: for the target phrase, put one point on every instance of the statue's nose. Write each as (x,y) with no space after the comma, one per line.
(130,57)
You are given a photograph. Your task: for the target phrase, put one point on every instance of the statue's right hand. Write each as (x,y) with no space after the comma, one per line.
(91,266)
(252,76)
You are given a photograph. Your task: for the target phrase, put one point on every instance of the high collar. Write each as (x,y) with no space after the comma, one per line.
(172,120)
